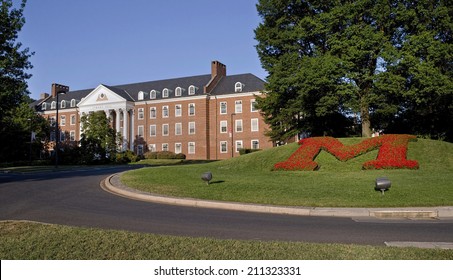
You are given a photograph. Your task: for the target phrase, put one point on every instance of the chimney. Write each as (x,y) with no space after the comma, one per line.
(218,70)
(43,95)
(57,88)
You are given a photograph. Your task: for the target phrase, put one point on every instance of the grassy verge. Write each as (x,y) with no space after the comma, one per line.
(25,240)
(249,179)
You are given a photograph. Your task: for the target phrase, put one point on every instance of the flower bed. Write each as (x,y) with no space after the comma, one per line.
(392,152)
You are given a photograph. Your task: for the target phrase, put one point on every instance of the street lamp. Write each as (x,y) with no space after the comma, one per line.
(31,138)
(232,135)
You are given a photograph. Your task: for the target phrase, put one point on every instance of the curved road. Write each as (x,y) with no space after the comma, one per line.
(75,198)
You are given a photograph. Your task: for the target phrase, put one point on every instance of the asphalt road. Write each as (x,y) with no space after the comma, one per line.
(74,197)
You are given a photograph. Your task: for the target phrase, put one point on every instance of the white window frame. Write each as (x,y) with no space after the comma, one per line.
(165,109)
(178,128)
(192,90)
(238,106)
(141,95)
(178,110)
(164,147)
(257,141)
(223,147)
(151,114)
(254,124)
(225,104)
(72,135)
(191,130)
(152,94)
(73,103)
(190,106)
(252,106)
(178,148)
(140,113)
(53,105)
(165,93)
(141,131)
(153,128)
(238,87)
(223,126)
(241,144)
(152,147)
(237,126)
(73,119)
(62,120)
(179,91)
(63,104)
(191,148)
(165,129)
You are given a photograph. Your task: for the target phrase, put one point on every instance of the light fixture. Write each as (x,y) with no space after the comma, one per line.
(382,184)
(207,176)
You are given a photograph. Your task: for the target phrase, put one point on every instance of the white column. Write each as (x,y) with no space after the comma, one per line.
(117,122)
(132,130)
(125,129)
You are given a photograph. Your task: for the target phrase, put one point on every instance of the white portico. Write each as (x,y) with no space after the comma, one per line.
(118,106)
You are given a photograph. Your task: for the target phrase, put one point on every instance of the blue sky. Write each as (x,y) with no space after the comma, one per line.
(87,42)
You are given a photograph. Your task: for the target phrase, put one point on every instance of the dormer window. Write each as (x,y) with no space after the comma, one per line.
(73,103)
(44,106)
(179,91)
(165,92)
(53,105)
(141,95)
(63,104)
(192,90)
(238,87)
(152,94)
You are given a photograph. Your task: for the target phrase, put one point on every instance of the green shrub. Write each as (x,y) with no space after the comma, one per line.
(247,151)
(126,157)
(164,155)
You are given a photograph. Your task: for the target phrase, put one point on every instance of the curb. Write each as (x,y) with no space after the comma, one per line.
(113,185)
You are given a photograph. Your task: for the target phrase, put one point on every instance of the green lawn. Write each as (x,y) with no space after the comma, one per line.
(25,240)
(249,179)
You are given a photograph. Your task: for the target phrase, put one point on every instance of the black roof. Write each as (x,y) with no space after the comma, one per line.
(130,92)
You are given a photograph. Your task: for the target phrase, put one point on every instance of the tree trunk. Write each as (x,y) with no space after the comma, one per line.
(365,116)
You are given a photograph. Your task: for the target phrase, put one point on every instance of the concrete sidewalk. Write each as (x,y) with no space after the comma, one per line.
(114,185)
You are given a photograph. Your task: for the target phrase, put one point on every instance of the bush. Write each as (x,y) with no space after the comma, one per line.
(164,155)
(126,157)
(247,151)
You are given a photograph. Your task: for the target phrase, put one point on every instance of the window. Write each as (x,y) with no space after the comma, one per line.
(141,113)
(152,130)
(141,95)
(63,120)
(152,147)
(152,112)
(152,94)
(44,106)
(238,126)
(179,91)
(223,147)
(52,121)
(53,105)
(191,147)
(165,129)
(254,124)
(178,148)
(191,127)
(255,144)
(178,110)
(140,132)
(165,92)
(192,109)
(223,108)
(238,145)
(192,90)
(238,106)
(165,147)
(165,112)
(62,136)
(73,103)
(178,128)
(63,104)
(238,87)
(253,106)
(140,150)
(223,126)
(73,119)
(72,135)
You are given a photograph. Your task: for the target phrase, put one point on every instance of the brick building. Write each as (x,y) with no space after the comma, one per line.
(205,117)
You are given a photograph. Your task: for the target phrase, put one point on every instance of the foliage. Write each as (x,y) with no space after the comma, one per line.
(126,157)
(164,155)
(247,151)
(389,62)
(392,152)
(14,129)
(98,139)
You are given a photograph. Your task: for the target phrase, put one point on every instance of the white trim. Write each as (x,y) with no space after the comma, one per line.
(237,95)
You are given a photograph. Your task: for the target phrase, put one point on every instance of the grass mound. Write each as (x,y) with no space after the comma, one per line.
(249,178)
